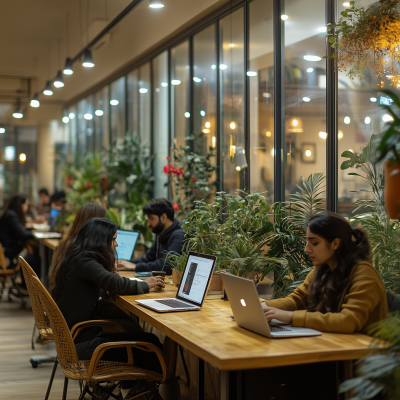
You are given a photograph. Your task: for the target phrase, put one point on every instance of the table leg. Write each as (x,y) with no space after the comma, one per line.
(200,379)
(42,253)
(231,385)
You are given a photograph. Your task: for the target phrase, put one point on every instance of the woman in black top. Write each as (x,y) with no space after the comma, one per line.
(13,235)
(88,269)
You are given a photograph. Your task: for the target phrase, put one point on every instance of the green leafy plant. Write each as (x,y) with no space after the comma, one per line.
(191,175)
(380,370)
(383,233)
(178,261)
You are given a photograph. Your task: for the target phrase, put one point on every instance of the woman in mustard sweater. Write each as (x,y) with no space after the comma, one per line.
(343,293)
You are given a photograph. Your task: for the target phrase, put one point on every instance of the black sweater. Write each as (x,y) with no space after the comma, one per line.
(170,240)
(84,286)
(12,234)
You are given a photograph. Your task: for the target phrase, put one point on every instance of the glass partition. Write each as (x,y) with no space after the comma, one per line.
(180,102)
(231,70)
(117,108)
(160,115)
(101,119)
(261,95)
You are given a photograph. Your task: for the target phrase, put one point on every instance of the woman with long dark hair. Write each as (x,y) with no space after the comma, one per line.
(84,214)
(14,236)
(86,270)
(343,293)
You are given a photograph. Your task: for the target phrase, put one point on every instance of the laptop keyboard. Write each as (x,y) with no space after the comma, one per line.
(175,303)
(278,329)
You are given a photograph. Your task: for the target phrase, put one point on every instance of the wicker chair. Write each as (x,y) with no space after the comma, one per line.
(9,274)
(96,370)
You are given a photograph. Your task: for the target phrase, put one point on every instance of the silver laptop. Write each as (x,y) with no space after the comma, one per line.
(248,313)
(193,288)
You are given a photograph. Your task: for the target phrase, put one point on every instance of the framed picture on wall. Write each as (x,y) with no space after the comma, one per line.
(308,152)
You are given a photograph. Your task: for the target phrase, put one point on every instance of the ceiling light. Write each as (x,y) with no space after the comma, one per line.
(340,135)
(295,122)
(2,130)
(99,113)
(48,91)
(312,58)
(373,99)
(68,67)
(88,59)
(71,115)
(306,99)
(284,17)
(18,113)
(213,66)
(187,114)
(9,153)
(22,158)
(196,79)
(267,95)
(35,102)
(387,118)
(114,102)
(347,120)
(223,66)
(322,29)
(323,135)
(176,82)
(268,134)
(202,113)
(232,125)
(88,116)
(164,84)
(208,124)
(308,153)
(367,120)
(206,131)
(346,4)
(58,82)
(143,90)
(213,141)
(231,45)
(309,70)
(156,4)
(65,120)
(251,73)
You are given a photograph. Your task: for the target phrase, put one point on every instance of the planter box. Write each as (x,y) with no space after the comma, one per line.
(215,285)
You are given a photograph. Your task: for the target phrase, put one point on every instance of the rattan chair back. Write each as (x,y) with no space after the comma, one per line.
(41,319)
(66,353)
(3,266)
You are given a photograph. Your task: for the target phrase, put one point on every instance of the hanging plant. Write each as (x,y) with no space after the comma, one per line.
(368,38)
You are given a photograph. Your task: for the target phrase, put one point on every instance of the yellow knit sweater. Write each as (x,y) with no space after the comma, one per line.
(362,303)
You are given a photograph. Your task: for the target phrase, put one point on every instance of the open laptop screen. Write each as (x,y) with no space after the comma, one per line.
(195,278)
(126,244)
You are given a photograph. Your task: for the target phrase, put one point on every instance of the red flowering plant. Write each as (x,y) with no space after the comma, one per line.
(191,175)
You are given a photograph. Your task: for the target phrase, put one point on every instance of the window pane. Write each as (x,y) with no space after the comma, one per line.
(144,104)
(88,116)
(161,145)
(81,128)
(133,101)
(205,87)
(305,88)
(261,75)
(117,108)
(101,109)
(72,125)
(232,94)
(179,92)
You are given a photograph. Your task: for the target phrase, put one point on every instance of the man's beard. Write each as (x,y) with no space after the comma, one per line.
(158,228)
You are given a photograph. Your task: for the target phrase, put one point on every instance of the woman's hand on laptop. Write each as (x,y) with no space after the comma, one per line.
(155,281)
(126,266)
(276,313)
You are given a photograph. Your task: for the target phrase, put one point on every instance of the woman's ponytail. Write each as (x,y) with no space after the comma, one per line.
(362,247)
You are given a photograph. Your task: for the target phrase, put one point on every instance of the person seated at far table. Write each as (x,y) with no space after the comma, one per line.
(343,293)
(43,207)
(14,236)
(86,270)
(169,237)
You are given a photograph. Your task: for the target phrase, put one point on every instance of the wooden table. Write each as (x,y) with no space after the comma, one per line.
(213,336)
(46,249)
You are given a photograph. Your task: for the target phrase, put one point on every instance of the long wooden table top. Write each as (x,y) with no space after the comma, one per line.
(212,335)
(51,243)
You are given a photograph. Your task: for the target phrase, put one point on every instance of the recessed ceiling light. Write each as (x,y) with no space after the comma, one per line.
(176,82)
(156,4)
(312,58)
(284,17)
(114,102)
(340,135)
(99,113)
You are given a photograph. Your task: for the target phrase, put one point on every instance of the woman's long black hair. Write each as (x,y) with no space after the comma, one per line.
(93,241)
(15,204)
(327,287)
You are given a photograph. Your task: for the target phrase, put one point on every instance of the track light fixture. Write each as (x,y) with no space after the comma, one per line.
(35,102)
(68,67)
(18,113)
(48,91)
(156,4)
(87,59)
(58,82)
(2,129)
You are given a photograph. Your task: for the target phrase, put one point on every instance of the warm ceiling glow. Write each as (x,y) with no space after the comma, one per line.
(323,135)
(232,125)
(347,120)
(268,134)
(346,4)
(308,153)
(238,168)
(295,122)
(213,141)
(340,134)
(206,131)
(231,45)
(22,158)
(208,124)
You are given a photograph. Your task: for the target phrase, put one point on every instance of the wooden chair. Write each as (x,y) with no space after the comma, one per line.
(9,274)
(95,371)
